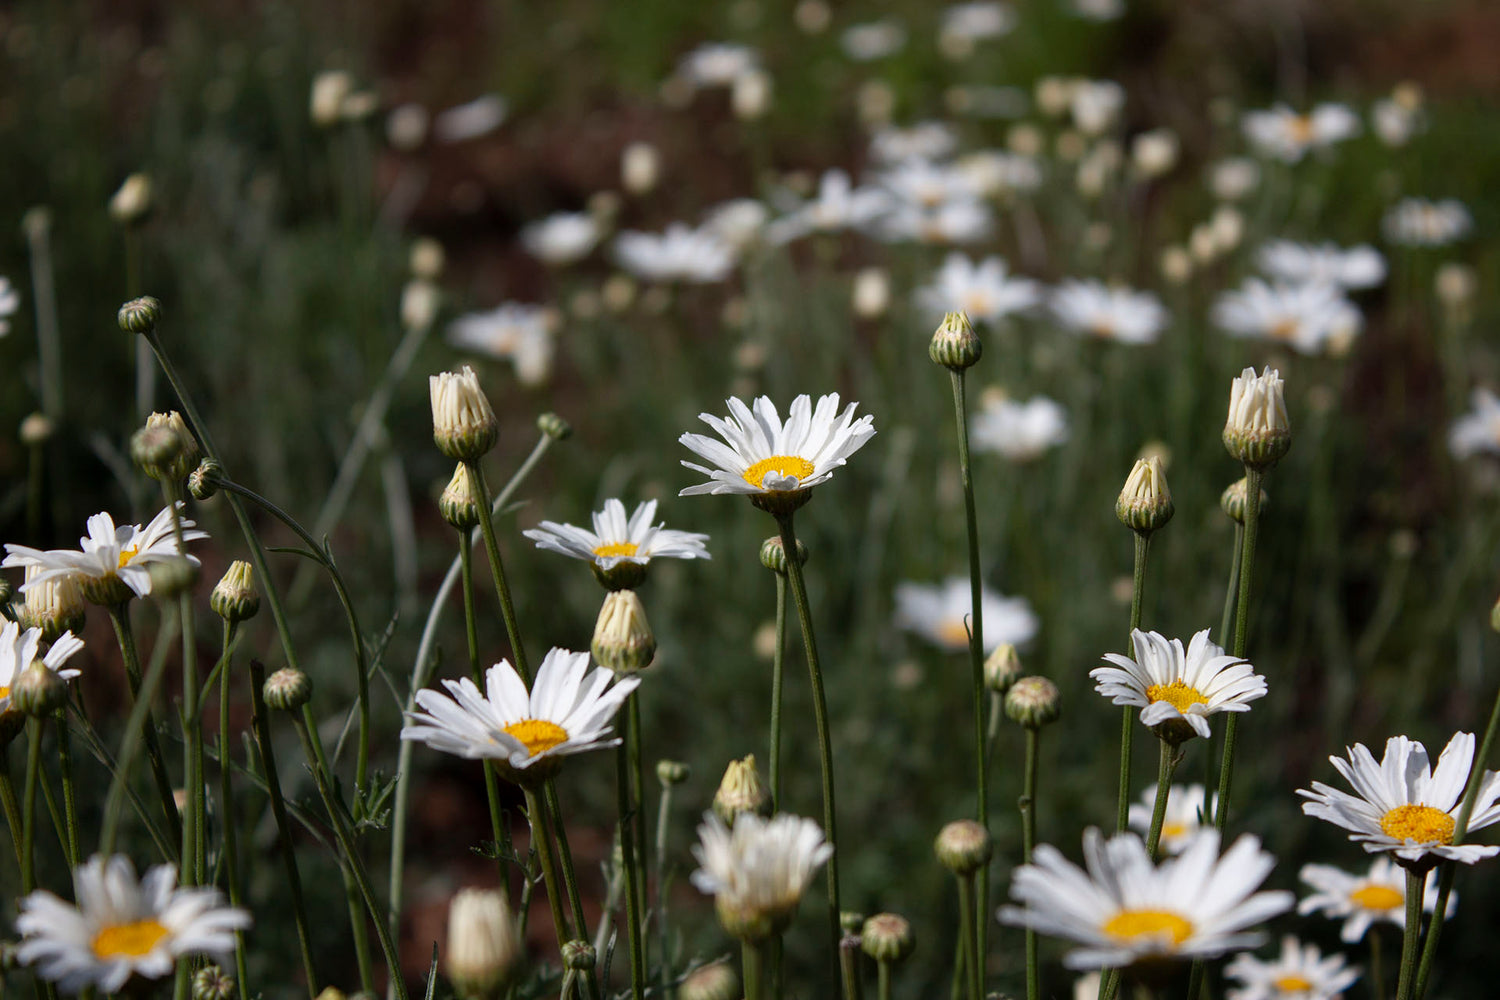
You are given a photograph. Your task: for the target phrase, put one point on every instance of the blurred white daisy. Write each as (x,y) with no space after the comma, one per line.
(122,926)
(925,184)
(567,711)
(1308,317)
(760,455)
(983,290)
(562,238)
(1361,900)
(964,220)
(717,64)
(1322,263)
(521,333)
(838,205)
(1395,122)
(18,650)
(1418,222)
(1234,178)
(1096,105)
(470,120)
(1098,10)
(991,173)
(873,40)
(112,557)
(1110,313)
(1019,431)
(1283,134)
(930,140)
(1403,805)
(976,20)
(758,871)
(941,614)
(1184,816)
(1123,909)
(1479,430)
(1179,689)
(10,301)
(738,222)
(1300,972)
(681,253)
(616,539)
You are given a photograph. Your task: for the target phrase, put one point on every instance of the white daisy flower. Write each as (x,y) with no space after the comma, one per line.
(1184,816)
(931,140)
(1299,973)
(1123,909)
(681,253)
(991,173)
(1322,263)
(114,562)
(562,238)
(1098,10)
(1019,431)
(519,332)
(1110,313)
(1234,178)
(1403,805)
(758,871)
(18,651)
(1418,222)
(470,120)
(567,711)
(977,20)
(958,220)
(1308,317)
(717,64)
(122,927)
(1361,900)
(925,184)
(1176,689)
(873,40)
(1479,430)
(762,456)
(983,290)
(1395,123)
(1285,135)
(942,613)
(9,303)
(738,222)
(615,539)
(839,205)
(1096,104)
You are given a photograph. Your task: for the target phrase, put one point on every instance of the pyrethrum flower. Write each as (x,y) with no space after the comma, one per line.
(616,539)
(1418,222)
(1096,310)
(115,562)
(1123,909)
(1183,819)
(1287,136)
(940,614)
(1256,430)
(680,253)
(1018,431)
(519,332)
(1405,806)
(567,711)
(1308,316)
(122,927)
(1479,430)
(1300,972)
(464,427)
(771,461)
(984,290)
(1178,690)
(1358,267)
(757,871)
(562,238)
(839,205)
(18,650)
(1361,900)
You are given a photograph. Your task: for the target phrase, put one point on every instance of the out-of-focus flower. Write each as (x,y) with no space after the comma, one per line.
(1183,819)
(839,205)
(940,613)
(1098,10)
(1019,431)
(873,40)
(1154,153)
(738,222)
(750,95)
(562,238)
(1097,310)
(1096,104)
(326,100)
(1307,317)
(758,871)
(519,332)
(929,140)
(470,120)
(963,24)
(1418,222)
(406,126)
(1361,900)
(1176,689)
(871,294)
(717,64)
(1299,973)
(812,17)
(1327,263)
(640,168)
(680,253)
(132,201)
(1234,178)
(1283,134)
(10,301)
(983,290)
(994,174)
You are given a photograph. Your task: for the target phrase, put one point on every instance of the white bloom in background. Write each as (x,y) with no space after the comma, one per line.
(1183,819)
(1234,178)
(1361,900)
(562,238)
(681,253)
(18,648)
(1394,122)
(977,20)
(110,555)
(1098,310)
(839,205)
(1479,430)
(925,184)
(470,120)
(931,140)
(758,871)
(1096,104)
(1305,317)
(871,293)
(963,220)
(1403,805)
(1019,431)
(640,167)
(1417,222)
(1326,263)
(1155,153)
(10,301)
(750,95)
(995,174)
(738,222)
(760,454)
(983,290)
(1098,10)
(518,332)
(122,927)
(420,301)
(1299,973)
(812,17)
(567,711)
(406,126)
(325,102)
(873,40)
(1123,909)
(979,100)
(1179,688)
(615,539)
(717,64)
(1283,134)
(942,614)
(133,199)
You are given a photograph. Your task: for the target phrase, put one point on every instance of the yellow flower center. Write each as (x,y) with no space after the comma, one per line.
(1173,830)
(1301,129)
(125,556)
(1377,897)
(4,692)
(1129,924)
(1423,824)
(977,304)
(1284,329)
(1102,327)
(952,632)
(1177,694)
(616,549)
(781,465)
(130,940)
(1293,984)
(537,735)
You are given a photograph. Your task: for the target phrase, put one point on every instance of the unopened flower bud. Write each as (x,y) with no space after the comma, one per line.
(964,847)
(955,345)
(1002,667)
(750,95)
(332,993)
(287,690)
(773,555)
(712,982)
(741,791)
(871,294)
(203,482)
(578,955)
(887,937)
(132,201)
(140,315)
(1032,702)
(640,168)
(54,605)
(851,921)
(38,691)
(463,425)
(484,944)
(1145,504)
(426,258)
(213,983)
(36,429)
(7,591)
(1257,431)
(234,597)
(172,576)
(554,426)
(156,450)
(1232,500)
(165,466)
(671,772)
(623,640)
(458,504)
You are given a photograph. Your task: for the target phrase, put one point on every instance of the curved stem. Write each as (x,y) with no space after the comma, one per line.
(1241,628)
(28,803)
(70,797)
(570,880)
(491,784)
(1232,588)
(497,569)
(227,810)
(541,842)
(1166,766)
(142,693)
(194,848)
(11,804)
(633,743)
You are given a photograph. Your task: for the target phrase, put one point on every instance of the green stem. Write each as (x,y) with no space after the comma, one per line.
(1128,714)
(1377,964)
(28,803)
(541,842)
(883,980)
(638,788)
(752,960)
(227,814)
(570,880)
(497,569)
(194,849)
(1416,883)
(632,877)
(778,664)
(664,959)
(1028,842)
(849,967)
(1232,588)
(971,936)
(1164,770)
(142,693)
(1241,629)
(471,632)
(11,804)
(70,798)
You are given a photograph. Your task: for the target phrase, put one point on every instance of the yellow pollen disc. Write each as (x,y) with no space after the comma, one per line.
(1301,129)
(1283,330)
(782,465)
(130,940)
(1177,694)
(4,692)
(1173,830)
(125,556)
(977,304)
(1102,328)
(953,633)
(1377,897)
(1423,824)
(1293,984)
(616,549)
(537,735)
(1129,924)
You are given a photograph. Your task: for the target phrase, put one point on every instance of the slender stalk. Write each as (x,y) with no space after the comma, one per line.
(28,803)
(638,786)
(227,810)
(1377,963)
(70,796)
(11,804)
(632,877)
(971,936)
(541,842)
(1028,842)
(1127,715)
(497,569)
(1416,883)
(565,865)
(849,966)
(119,616)
(471,631)
(664,959)
(1241,628)
(883,980)
(138,729)
(778,664)
(194,847)
(752,961)
(1164,770)
(1232,588)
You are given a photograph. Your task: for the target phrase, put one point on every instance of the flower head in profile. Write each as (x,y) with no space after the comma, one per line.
(112,563)
(1327,263)
(757,871)
(9,303)
(1016,430)
(1308,316)
(1478,430)
(1184,817)
(984,290)
(1093,309)
(567,711)
(1124,909)
(522,333)
(122,926)
(1283,134)
(18,648)
(1403,805)
(942,614)
(1418,222)
(617,539)
(1300,972)
(1361,900)
(773,461)
(1257,431)
(464,427)
(929,140)
(562,238)
(680,253)
(1176,689)
(839,205)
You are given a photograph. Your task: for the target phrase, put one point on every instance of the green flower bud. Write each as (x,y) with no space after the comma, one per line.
(887,937)
(851,921)
(1232,501)
(578,955)
(172,577)
(458,504)
(1032,702)
(1145,504)
(38,692)
(37,429)
(741,791)
(203,482)
(485,952)
(165,449)
(1002,667)
(235,598)
(140,315)
(773,555)
(671,772)
(623,640)
(1257,431)
(287,690)
(464,427)
(554,426)
(964,847)
(955,345)
(213,983)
